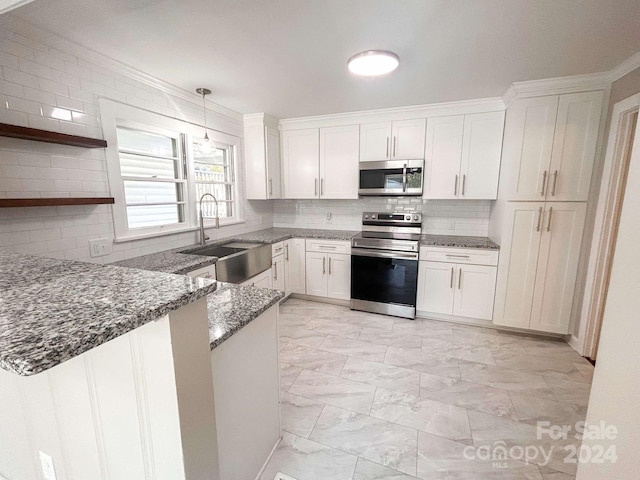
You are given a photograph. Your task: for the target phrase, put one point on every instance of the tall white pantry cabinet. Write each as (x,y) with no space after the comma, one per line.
(547,161)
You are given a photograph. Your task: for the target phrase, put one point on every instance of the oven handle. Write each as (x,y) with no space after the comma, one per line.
(365,252)
(404,174)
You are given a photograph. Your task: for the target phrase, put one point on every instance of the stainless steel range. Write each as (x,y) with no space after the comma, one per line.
(384,264)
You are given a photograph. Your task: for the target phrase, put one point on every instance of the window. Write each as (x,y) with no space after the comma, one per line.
(158,170)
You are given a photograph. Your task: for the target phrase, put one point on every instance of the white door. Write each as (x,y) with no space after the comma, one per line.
(436,287)
(442,156)
(474,291)
(558,266)
(481,153)
(528,141)
(294,266)
(339,281)
(574,146)
(408,139)
(278,273)
(375,141)
(339,152)
(300,163)
(518,263)
(316,274)
(272,150)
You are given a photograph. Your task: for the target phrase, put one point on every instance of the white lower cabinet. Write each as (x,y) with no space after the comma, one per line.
(262,280)
(278,273)
(539,264)
(460,289)
(294,266)
(328,273)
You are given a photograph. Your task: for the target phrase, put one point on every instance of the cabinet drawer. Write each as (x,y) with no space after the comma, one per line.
(329,246)
(277,249)
(474,256)
(205,272)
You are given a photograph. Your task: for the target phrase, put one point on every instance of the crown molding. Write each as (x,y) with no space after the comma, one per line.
(397,113)
(51,39)
(260,119)
(557,86)
(628,66)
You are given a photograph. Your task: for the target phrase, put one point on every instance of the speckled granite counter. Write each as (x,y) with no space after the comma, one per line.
(173,261)
(53,310)
(458,241)
(232,307)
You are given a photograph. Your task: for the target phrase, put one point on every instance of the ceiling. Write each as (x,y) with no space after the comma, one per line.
(288,57)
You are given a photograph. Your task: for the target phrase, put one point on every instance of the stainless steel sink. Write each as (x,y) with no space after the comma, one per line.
(237,261)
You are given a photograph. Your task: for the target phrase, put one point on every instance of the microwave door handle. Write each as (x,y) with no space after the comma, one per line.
(404,178)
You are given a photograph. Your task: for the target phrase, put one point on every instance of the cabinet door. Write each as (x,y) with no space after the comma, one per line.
(558,266)
(375,141)
(481,153)
(442,157)
(255,163)
(528,141)
(316,274)
(263,280)
(272,149)
(435,287)
(278,273)
(518,262)
(474,291)
(339,151)
(574,146)
(408,139)
(294,266)
(300,160)
(339,281)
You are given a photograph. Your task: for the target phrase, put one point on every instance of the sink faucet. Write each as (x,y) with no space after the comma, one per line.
(203,237)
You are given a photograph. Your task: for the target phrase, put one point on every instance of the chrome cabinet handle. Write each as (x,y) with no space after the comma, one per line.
(539,219)
(270,187)
(286,255)
(456,256)
(329,265)
(455,187)
(555,181)
(549,222)
(459,278)
(451,280)
(324,265)
(275,271)
(544,183)
(387,155)
(464,182)
(321,186)
(404,178)
(316,189)
(395,143)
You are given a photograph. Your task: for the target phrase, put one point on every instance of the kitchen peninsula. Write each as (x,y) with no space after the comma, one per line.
(107,370)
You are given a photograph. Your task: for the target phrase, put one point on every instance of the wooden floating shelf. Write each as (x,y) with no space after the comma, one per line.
(53,202)
(37,135)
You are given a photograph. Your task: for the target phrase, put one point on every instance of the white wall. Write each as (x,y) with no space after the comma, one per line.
(441,217)
(49,83)
(616,384)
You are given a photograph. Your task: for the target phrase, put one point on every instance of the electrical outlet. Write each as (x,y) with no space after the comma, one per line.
(100,247)
(329,217)
(48,472)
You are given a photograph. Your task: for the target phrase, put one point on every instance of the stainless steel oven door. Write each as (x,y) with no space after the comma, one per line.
(395,177)
(384,282)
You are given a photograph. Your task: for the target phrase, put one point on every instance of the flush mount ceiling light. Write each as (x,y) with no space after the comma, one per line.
(205,146)
(373,62)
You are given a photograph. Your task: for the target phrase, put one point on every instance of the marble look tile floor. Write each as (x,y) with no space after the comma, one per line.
(371,397)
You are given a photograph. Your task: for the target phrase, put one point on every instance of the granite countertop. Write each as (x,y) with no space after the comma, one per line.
(53,310)
(458,241)
(173,261)
(232,307)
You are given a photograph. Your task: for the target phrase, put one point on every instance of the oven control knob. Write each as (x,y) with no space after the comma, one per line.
(366,217)
(416,218)
(408,217)
(373,217)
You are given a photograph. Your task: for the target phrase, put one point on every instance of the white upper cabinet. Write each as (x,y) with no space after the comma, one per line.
(442,157)
(402,139)
(339,147)
(300,163)
(462,156)
(550,145)
(262,159)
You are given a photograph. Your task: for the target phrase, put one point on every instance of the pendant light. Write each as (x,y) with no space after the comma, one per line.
(206,146)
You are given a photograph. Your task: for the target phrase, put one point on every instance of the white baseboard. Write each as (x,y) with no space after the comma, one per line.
(266,461)
(313,298)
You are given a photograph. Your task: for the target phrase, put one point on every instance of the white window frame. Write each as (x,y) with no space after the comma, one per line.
(113,115)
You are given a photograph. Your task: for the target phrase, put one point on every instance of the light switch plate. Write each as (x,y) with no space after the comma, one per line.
(100,247)
(48,472)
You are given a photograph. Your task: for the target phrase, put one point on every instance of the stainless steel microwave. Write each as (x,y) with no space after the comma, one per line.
(393,177)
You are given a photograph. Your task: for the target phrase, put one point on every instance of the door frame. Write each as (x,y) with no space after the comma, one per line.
(605,230)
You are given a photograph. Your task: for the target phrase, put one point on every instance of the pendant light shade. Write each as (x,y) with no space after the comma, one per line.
(206,146)
(373,62)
